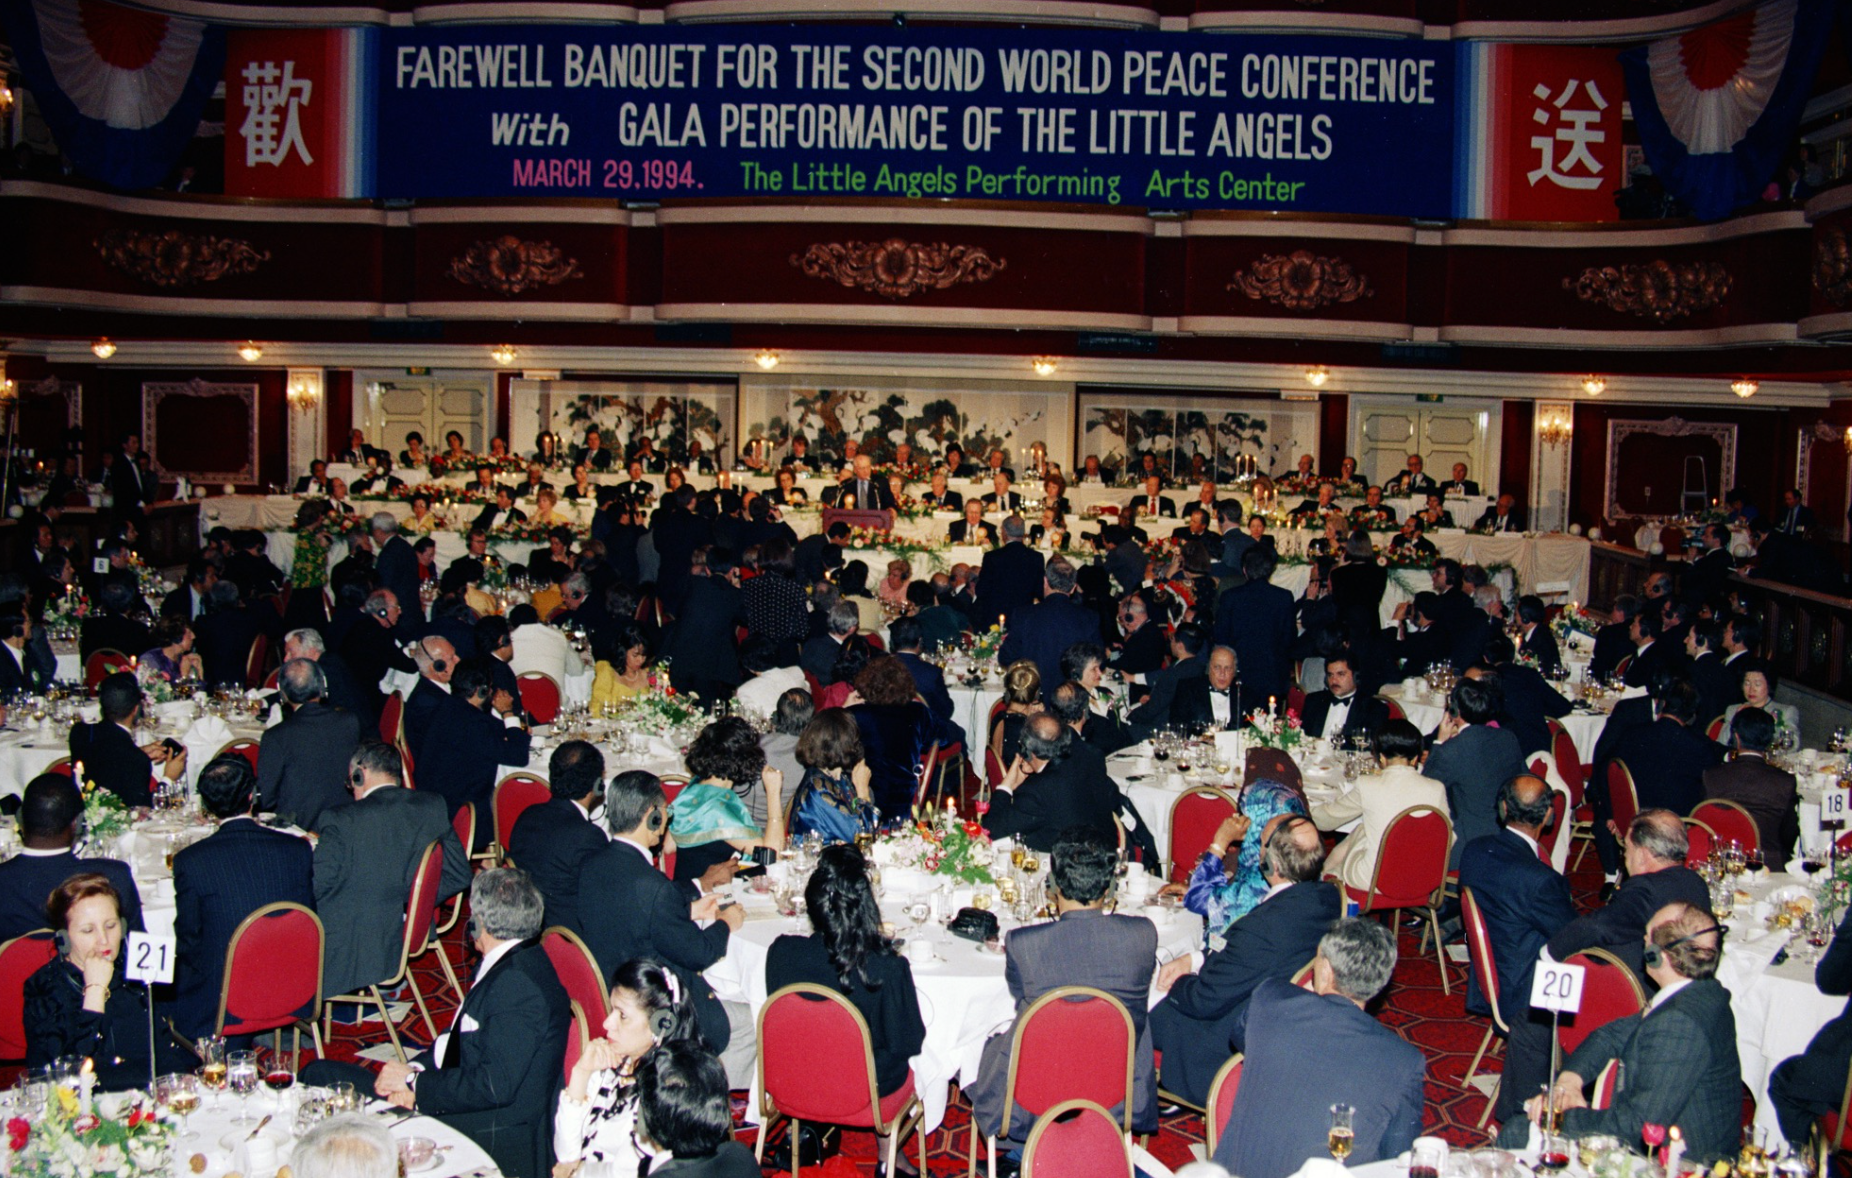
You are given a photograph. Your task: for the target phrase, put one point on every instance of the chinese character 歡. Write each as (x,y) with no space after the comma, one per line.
(273,100)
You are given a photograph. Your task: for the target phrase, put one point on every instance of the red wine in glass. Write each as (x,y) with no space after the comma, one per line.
(279,1079)
(1423,1172)
(1553,1158)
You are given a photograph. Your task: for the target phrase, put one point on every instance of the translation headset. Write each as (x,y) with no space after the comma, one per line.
(657,818)
(62,942)
(437,664)
(1654,953)
(662,1022)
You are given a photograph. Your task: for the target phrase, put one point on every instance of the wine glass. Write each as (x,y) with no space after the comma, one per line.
(280,1076)
(241,1076)
(1341,1136)
(179,1094)
(212,1061)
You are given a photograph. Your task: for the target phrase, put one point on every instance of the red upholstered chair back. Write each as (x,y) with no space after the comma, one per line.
(1222,1092)
(20,958)
(1295,699)
(1046,1070)
(513,795)
(421,905)
(1609,991)
(1411,867)
(254,662)
(273,971)
(577,1040)
(577,970)
(1700,839)
(1076,1139)
(392,718)
(1273,765)
(1715,729)
(100,665)
(1394,709)
(243,748)
(1479,949)
(1730,823)
(672,784)
(464,823)
(1193,819)
(540,696)
(1568,762)
(1559,818)
(62,767)
(816,1058)
(1623,798)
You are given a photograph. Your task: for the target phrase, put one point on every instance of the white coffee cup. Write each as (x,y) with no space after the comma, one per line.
(920,951)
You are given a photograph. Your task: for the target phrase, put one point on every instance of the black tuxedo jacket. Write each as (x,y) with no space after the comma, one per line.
(1611,646)
(254,573)
(1462,487)
(1042,632)
(1529,701)
(651,920)
(302,763)
(1154,713)
(1011,576)
(701,641)
(179,604)
(1668,762)
(422,707)
(551,842)
(1166,508)
(370,651)
(1709,572)
(219,881)
(1409,483)
(1257,621)
(1525,902)
(962,532)
(112,760)
(1008,501)
(112,632)
(501,1071)
(27,881)
(1367,713)
(1191,708)
(462,755)
(1142,653)
(1541,643)
(1717,687)
(226,636)
(852,495)
(397,570)
(1074,791)
(1195,1026)
(15,676)
(486,518)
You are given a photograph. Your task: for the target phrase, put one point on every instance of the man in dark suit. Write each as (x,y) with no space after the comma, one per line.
(656,919)
(1216,697)
(16,677)
(1538,642)
(863,491)
(222,879)
(302,762)
(940,498)
(494,1076)
(1412,481)
(1717,687)
(1711,570)
(1153,504)
(1083,946)
(904,641)
(365,862)
(817,656)
(1807,1086)
(314,483)
(552,840)
(1186,662)
(1051,788)
(1649,653)
(701,644)
(1614,641)
(1768,793)
(1308,1050)
(1503,516)
(369,649)
(1678,1056)
(1255,620)
(229,631)
(500,513)
(1529,699)
(1235,542)
(1524,902)
(1473,759)
(677,532)
(820,552)
(1459,484)
(1795,518)
(1668,757)
(1342,709)
(1142,650)
(114,627)
(1011,576)
(342,690)
(474,733)
(1196,1026)
(437,663)
(396,568)
(107,750)
(132,487)
(49,811)
(1044,631)
(250,568)
(188,600)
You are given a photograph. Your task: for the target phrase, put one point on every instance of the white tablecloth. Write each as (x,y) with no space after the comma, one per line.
(458,1155)
(1584,728)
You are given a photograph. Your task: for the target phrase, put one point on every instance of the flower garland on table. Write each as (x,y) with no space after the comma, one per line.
(662,710)
(310,565)
(1575,621)
(442,464)
(1275,730)
(528,532)
(870,544)
(68,1141)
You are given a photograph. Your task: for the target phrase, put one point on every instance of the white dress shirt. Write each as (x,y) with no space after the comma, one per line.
(1337,715)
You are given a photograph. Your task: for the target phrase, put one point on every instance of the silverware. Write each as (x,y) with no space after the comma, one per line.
(260,1127)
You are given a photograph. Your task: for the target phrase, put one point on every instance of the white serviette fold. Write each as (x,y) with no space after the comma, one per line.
(206,736)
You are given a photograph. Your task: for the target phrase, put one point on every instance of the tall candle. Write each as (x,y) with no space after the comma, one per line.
(86,1086)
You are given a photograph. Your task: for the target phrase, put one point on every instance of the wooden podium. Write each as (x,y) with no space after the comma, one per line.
(877,520)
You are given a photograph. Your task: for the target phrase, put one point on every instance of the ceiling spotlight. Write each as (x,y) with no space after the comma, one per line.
(1594,385)
(765,358)
(1317,375)
(250,352)
(1745,388)
(503,354)
(1044,365)
(104,348)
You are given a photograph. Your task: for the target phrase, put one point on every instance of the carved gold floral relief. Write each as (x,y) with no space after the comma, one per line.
(509,266)
(897,268)
(1832,266)
(173,258)
(1302,281)
(1659,290)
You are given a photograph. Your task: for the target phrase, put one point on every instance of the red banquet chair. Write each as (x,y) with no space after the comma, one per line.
(1045,1070)
(20,958)
(1076,1139)
(1609,991)
(1700,840)
(513,795)
(1193,819)
(540,696)
(1222,1091)
(392,719)
(817,1063)
(254,662)
(1730,822)
(1715,728)
(100,665)
(577,1041)
(242,747)
(1485,969)
(1273,765)
(1394,709)
(273,976)
(63,767)
(1411,872)
(420,917)
(577,970)
(1623,797)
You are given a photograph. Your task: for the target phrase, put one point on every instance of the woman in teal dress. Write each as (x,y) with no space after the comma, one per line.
(711,817)
(1221,897)
(834,799)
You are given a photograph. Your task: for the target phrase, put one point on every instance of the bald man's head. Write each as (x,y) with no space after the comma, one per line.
(1294,852)
(1524,803)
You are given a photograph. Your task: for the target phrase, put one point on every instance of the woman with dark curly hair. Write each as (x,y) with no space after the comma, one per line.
(896,730)
(847,953)
(712,816)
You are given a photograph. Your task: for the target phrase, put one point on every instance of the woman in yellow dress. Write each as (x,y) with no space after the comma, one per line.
(421,520)
(611,685)
(546,511)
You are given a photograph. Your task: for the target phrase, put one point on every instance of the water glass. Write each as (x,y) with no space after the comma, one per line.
(241,1076)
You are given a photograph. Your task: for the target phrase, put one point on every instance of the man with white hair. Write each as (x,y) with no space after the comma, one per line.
(343,692)
(346,1147)
(1308,1050)
(437,662)
(302,762)
(396,567)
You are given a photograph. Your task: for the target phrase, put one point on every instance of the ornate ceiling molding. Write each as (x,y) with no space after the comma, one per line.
(1832,266)
(1658,290)
(897,268)
(1302,281)
(171,258)
(509,266)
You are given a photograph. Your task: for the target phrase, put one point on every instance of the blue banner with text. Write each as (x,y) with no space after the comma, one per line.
(1144,119)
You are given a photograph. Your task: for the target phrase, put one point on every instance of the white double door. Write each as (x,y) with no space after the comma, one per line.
(1386,430)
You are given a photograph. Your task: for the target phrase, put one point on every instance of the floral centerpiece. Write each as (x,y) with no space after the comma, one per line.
(1275,729)
(1375,519)
(64,616)
(106,815)
(662,710)
(986,644)
(120,1139)
(955,849)
(528,532)
(155,686)
(1576,621)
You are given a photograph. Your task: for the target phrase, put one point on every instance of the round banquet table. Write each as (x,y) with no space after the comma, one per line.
(1584,727)
(458,1156)
(963,996)
(27,750)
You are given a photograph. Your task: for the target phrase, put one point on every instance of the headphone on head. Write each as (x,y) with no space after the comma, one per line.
(658,818)
(662,1022)
(356,778)
(473,927)
(62,941)
(437,664)
(1654,953)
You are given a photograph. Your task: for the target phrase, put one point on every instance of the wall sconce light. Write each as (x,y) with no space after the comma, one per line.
(1594,385)
(1044,365)
(104,348)
(304,390)
(766,358)
(250,352)
(503,354)
(6,98)
(1555,427)
(1849,439)
(1317,375)
(1745,388)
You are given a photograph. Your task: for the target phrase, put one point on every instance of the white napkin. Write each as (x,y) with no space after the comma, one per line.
(1321,1168)
(207,736)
